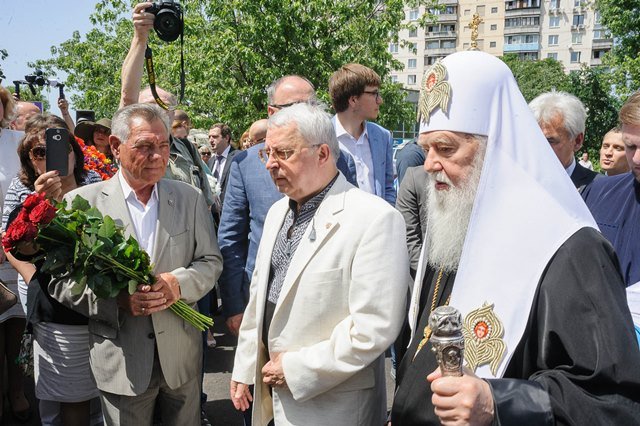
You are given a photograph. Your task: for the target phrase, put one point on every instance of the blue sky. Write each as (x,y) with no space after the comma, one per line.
(31,27)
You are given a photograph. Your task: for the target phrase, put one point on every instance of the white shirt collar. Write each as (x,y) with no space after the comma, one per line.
(129,193)
(571,167)
(340,131)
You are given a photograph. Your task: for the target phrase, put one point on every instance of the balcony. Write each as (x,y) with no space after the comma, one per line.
(443,51)
(595,62)
(602,43)
(521,47)
(522,30)
(525,11)
(447,17)
(440,34)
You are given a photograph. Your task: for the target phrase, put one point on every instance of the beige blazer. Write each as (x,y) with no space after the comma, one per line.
(122,346)
(341,306)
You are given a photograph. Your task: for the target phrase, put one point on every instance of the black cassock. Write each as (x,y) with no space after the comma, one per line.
(578,362)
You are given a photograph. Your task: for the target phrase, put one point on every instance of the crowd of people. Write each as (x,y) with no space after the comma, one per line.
(323,266)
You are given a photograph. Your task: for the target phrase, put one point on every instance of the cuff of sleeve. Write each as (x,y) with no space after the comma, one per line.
(521,402)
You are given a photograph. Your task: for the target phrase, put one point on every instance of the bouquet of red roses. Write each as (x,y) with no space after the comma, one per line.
(81,244)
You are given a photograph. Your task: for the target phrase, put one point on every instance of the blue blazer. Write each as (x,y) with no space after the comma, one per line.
(250,193)
(381,145)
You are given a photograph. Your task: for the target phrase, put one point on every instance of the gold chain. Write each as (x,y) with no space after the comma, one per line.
(427,329)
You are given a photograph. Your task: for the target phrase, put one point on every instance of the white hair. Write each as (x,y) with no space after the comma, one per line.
(312,123)
(121,122)
(546,106)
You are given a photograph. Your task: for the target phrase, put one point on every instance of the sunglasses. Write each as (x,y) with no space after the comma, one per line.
(39,152)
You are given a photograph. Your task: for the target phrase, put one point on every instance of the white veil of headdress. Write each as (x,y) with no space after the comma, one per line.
(526,206)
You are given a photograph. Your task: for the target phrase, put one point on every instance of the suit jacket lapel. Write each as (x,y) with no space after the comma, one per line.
(326,222)
(166,213)
(378,170)
(111,203)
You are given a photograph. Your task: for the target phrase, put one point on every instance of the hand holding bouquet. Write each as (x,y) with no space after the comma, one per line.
(79,243)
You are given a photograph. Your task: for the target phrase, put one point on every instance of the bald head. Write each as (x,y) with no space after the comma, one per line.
(289,90)
(24,110)
(258,130)
(146,97)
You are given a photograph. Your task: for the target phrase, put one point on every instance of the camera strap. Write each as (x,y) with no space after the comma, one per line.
(148,58)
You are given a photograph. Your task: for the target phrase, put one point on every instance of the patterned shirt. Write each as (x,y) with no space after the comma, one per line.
(293,228)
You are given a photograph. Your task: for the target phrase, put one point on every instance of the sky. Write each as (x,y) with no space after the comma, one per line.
(28,30)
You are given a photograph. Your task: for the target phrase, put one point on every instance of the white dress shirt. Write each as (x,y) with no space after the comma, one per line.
(360,150)
(571,167)
(144,217)
(215,164)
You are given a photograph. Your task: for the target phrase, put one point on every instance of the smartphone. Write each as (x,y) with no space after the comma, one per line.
(57,140)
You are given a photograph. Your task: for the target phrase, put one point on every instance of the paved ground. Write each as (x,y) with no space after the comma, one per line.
(216,383)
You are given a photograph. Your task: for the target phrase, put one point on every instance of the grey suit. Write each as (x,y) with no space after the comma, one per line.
(123,346)
(412,204)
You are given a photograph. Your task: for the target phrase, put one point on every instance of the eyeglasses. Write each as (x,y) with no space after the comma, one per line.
(281,106)
(375,93)
(205,154)
(280,154)
(102,130)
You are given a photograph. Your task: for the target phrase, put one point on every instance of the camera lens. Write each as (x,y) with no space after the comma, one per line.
(168,25)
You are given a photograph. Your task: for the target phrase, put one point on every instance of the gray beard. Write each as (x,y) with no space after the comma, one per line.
(448,214)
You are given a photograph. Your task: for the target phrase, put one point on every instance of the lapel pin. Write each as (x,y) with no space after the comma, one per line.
(171,202)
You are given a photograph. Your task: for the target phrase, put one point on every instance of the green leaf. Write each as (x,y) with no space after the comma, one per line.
(80,203)
(77,288)
(133,286)
(108,228)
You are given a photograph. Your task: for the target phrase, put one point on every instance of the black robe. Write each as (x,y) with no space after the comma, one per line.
(578,362)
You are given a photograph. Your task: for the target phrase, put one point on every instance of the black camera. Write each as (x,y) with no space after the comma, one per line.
(168,23)
(37,78)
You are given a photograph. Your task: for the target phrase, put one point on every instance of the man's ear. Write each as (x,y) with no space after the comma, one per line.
(324,153)
(114,142)
(578,141)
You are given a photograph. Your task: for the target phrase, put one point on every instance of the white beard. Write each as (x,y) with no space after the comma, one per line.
(448,214)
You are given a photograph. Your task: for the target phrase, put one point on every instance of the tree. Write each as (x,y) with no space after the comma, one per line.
(536,77)
(622,19)
(234,49)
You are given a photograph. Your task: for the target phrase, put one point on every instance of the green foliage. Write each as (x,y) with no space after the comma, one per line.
(3,56)
(592,86)
(536,77)
(235,49)
(622,19)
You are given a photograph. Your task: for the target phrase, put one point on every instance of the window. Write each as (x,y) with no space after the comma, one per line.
(448,44)
(412,63)
(393,48)
(411,79)
(394,78)
(576,38)
(598,54)
(552,55)
(430,60)
(480,10)
(575,57)
(492,44)
(413,47)
(597,18)
(601,34)
(530,21)
(522,38)
(413,15)
(494,10)
(578,19)
(553,40)
(554,4)
(451,10)
(554,21)
(577,3)
(433,44)
(494,27)
(413,32)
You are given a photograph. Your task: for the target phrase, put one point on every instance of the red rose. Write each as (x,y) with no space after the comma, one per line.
(43,213)
(19,231)
(32,200)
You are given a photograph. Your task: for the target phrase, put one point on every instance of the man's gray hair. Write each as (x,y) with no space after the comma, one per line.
(546,106)
(121,122)
(271,89)
(312,123)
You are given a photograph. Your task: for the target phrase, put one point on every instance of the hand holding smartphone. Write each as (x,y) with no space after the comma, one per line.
(58,149)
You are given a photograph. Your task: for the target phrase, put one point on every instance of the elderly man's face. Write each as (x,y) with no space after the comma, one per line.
(144,156)
(292,163)
(24,111)
(560,140)
(631,138)
(294,90)
(612,154)
(448,157)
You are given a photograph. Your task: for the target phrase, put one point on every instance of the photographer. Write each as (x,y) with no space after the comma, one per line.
(185,163)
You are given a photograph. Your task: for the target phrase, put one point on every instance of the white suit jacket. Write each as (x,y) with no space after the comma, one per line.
(122,346)
(341,306)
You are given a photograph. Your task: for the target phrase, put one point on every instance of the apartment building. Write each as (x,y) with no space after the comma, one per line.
(566,30)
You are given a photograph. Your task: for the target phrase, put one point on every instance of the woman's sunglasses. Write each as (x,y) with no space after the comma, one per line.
(39,152)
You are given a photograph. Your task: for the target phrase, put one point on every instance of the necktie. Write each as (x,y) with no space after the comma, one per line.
(216,171)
